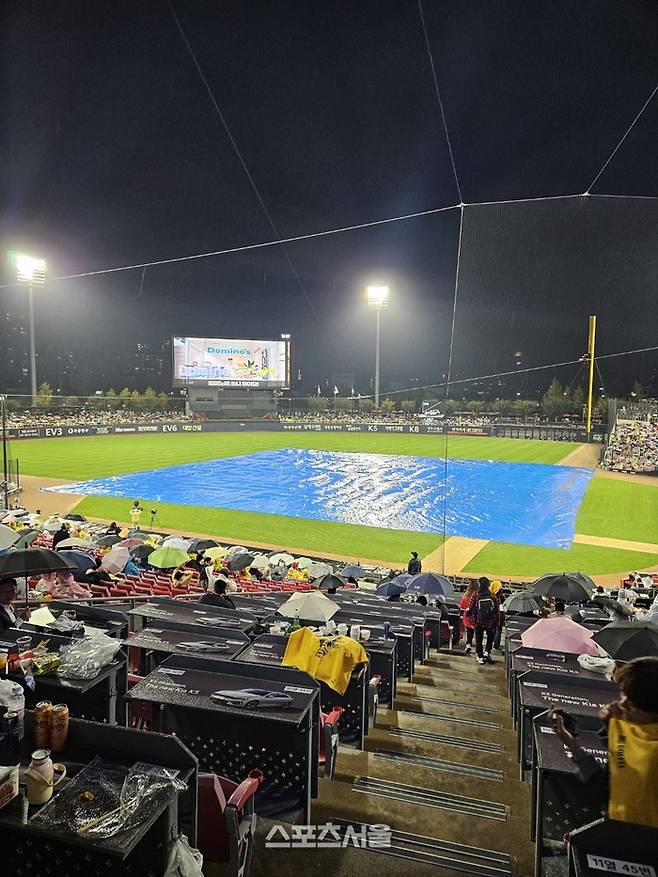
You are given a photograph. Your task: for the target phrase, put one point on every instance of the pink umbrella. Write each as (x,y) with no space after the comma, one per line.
(560,635)
(130,543)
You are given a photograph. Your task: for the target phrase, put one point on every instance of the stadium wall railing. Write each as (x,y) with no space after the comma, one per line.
(521,431)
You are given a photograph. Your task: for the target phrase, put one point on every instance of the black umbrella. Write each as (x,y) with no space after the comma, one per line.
(329,582)
(625,640)
(353,571)
(141,551)
(203,544)
(390,589)
(562,586)
(109,540)
(240,561)
(28,561)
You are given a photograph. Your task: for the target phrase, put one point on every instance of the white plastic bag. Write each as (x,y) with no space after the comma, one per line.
(184,860)
(85,658)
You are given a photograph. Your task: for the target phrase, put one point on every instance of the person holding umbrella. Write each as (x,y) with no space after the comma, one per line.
(61,535)
(9,617)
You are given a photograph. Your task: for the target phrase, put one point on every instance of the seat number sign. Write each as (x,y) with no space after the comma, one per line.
(618,866)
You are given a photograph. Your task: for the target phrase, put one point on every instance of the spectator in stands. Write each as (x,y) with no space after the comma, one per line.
(218,596)
(131,568)
(61,535)
(496,588)
(469,626)
(113,529)
(421,599)
(182,576)
(414,566)
(207,574)
(484,611)
(559,608)
(65,587)
(95,575)
(629,781)
(10,617)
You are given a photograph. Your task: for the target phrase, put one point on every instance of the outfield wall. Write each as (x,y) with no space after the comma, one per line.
(546,432)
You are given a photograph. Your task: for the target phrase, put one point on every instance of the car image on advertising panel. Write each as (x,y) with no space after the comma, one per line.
(253,698)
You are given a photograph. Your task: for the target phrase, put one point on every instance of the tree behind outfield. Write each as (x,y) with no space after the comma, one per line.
(44,398)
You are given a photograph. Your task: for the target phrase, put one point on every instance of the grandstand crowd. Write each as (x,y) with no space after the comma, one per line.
(71,417)
(633,447)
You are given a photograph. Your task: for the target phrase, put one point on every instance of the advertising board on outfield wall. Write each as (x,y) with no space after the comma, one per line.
(523,431)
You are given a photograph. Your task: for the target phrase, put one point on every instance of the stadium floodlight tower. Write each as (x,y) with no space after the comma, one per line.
(378,298)
(30,272)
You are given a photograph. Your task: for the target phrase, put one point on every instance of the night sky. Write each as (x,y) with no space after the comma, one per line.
(112,154)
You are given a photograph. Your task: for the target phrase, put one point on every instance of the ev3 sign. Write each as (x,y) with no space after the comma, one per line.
(54,431)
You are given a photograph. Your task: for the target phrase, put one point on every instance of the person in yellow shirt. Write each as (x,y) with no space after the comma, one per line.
(632,731)
(495,588)
(136,515)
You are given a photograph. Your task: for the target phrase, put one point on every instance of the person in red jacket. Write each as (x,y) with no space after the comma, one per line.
(469,625)
(484,611)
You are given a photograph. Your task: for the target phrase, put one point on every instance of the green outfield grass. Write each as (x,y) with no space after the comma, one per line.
(499,558)
(81,458)
(620,510)
(350,540)
(613,509)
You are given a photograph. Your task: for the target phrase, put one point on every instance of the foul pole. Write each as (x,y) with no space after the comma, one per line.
(591,345)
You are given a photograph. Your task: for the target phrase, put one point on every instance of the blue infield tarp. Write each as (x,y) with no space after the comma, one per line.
(525,503)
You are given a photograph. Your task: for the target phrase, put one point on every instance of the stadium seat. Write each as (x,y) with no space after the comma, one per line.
(140,713)
(329,740)
(226,823)
(373,699)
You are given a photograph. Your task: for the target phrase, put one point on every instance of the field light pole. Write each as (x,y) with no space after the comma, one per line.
(378,298)
(31,272)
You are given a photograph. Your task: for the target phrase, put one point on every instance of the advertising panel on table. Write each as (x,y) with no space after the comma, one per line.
(231,362)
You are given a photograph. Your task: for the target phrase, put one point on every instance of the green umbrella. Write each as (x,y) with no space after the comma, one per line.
(166,558)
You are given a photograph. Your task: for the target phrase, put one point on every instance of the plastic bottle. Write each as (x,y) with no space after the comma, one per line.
(295,624)
(16,703)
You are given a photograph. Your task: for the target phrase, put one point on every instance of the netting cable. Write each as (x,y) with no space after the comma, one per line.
(628,131)
(247,172)
(437,91)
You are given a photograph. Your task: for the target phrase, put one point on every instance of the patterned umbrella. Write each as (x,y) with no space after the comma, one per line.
(523,601)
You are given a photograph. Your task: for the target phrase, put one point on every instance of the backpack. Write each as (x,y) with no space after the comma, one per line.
(486,610)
